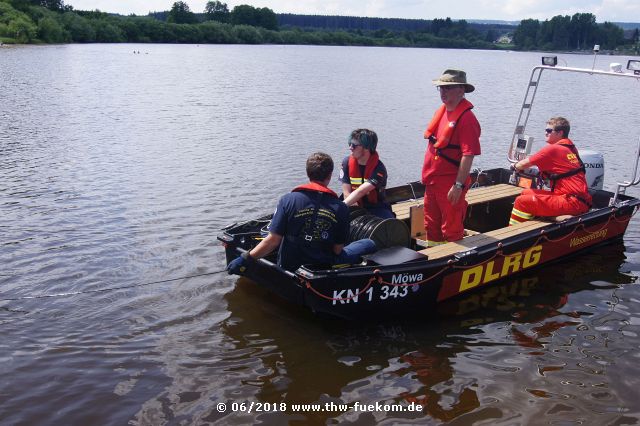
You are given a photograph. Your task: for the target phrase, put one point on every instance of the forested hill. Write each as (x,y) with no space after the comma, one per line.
(52,21)
(336,22)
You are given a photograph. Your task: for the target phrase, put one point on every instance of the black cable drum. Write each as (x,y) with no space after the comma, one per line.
(385,232)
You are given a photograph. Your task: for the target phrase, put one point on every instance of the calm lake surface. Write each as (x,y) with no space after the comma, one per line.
(118,169)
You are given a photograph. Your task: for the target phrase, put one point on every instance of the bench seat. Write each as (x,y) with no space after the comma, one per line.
(474,196)
(477,240)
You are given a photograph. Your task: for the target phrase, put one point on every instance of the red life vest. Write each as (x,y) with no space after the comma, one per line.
(445,135)
(555,177)
(313,186)
(357,179)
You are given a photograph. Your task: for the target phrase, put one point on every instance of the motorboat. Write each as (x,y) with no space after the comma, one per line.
(406,277)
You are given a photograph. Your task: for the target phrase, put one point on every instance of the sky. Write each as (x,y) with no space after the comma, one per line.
(507,10)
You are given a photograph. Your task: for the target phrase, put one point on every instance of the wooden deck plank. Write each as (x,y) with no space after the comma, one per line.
(481,239)
(474,196)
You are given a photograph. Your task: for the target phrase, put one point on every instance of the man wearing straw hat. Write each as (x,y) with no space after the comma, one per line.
(453,137)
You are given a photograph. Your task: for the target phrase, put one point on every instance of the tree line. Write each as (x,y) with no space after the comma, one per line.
(578,32)
(52,21)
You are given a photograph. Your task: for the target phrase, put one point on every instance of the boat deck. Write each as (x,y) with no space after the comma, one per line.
(473,241)
(474,196)
(414,209)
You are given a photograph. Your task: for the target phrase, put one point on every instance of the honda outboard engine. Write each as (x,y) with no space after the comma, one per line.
(594,166)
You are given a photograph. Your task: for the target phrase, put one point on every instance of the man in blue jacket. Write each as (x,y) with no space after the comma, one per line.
(310,225)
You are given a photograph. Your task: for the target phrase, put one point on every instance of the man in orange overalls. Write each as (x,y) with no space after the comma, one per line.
(453,137)
(559,162)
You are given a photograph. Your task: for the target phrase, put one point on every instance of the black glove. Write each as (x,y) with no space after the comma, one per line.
(238,265)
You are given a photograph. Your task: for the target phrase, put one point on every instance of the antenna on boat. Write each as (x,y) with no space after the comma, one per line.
(596,49)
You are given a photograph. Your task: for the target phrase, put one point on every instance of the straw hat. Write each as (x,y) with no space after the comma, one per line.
(451,77)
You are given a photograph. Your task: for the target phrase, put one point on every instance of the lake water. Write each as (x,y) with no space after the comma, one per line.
(118,169)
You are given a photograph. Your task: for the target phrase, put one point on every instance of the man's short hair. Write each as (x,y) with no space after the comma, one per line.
(560,123)
(319,166)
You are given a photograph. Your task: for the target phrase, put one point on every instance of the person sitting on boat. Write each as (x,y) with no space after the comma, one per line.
(364,176)
(560,163)
(310,225)
(453,137)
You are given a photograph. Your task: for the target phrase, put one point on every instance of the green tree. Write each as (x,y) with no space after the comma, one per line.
(16,24)
(247,34)
(440,25)
(57,5)
(249,15)
(490,36)
(526,34)
(184,33)
(244,15)
(215,32)
(129,29)
(560,32)
(50,31)
(216,11)
(106,31)
(583,28)
(78,27)
(22,29)
(610,36)
(181,14)
(267,18)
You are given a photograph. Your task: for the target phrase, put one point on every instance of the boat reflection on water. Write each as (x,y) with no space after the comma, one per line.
(541,293)
(307,359)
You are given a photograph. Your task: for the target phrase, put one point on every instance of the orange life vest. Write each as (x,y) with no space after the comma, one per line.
(445,136)
(555,177)
(313,186)
(356,179)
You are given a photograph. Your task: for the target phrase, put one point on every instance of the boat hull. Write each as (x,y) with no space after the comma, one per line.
(416,287)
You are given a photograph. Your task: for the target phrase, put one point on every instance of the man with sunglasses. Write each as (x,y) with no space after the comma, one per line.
(560,163)
(453,137)
(364,176)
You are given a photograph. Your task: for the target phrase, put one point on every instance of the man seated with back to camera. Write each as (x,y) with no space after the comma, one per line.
(559,162)
(363,175)
(310,226)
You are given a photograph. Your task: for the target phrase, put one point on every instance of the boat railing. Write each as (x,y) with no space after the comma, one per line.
(622,186)
(514,154)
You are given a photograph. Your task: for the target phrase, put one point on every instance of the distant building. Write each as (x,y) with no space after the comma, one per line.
(505,39)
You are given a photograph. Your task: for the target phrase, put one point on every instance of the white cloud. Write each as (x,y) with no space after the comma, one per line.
(618,11)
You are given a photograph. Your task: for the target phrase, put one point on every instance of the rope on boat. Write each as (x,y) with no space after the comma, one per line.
(451,263)
(102,290)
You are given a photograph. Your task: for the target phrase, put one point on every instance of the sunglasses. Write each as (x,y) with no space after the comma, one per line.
(354,145)
(446,88)
(547,131)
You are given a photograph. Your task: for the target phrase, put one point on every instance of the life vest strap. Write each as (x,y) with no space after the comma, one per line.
(449,159)
(555,177)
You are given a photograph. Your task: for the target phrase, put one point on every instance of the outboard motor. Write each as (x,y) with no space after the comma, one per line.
(594,166)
